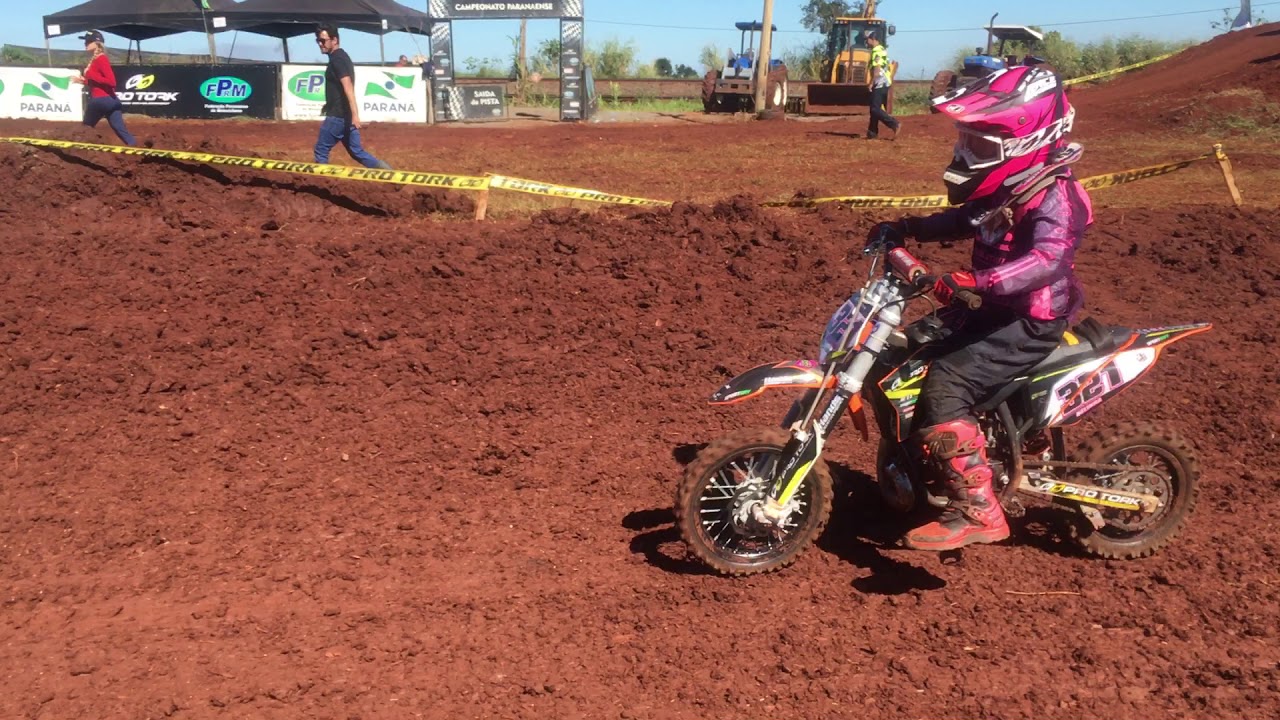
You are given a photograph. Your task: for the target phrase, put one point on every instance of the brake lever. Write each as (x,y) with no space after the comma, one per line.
(967,298)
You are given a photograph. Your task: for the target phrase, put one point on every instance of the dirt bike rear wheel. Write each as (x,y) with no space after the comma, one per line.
(735,470)
(1128,535)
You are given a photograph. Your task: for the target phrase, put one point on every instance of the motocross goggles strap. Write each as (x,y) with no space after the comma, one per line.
(977,150)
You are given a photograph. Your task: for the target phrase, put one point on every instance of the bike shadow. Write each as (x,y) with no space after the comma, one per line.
(1048,529)
(660,542)
(861,526)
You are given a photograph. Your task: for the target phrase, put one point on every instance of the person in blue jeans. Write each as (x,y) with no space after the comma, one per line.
(100,79)
(341,111)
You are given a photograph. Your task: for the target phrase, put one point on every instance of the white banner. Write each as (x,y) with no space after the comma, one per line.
(40,93)
(384,94)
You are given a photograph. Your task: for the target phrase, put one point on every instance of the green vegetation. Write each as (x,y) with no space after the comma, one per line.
(820,14)
(10,55)
(912,100)
(1236,112)
(656,105)
(1071,59)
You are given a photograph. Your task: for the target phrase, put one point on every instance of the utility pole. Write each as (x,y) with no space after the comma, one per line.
(522,67)
(762,59)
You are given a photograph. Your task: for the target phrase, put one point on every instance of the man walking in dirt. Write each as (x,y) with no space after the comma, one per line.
(881,81)
(341,111)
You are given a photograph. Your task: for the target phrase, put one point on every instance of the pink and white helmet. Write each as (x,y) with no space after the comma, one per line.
(1010,122)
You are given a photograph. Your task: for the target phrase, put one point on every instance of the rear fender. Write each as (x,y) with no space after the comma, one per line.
(786,374)
(1090,384)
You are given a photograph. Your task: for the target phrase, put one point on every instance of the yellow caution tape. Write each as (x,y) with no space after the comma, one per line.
(501,182)
(533,187)
(396,177)
(1117,71)
(1095,182)
(869,201)
(1098,182)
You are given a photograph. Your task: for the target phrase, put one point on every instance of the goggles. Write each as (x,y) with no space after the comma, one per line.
(979,151)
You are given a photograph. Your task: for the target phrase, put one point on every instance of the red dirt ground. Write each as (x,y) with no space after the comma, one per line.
(1246,59)
(290,448)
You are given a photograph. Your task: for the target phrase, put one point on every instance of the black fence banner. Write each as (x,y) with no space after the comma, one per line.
(440,84)
(572,96)
(199,91)
(483,102)
(511,9)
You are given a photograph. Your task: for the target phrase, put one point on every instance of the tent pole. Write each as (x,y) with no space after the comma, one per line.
(382,51)
(47,51)
(232,52)
(213,47)
(285,42)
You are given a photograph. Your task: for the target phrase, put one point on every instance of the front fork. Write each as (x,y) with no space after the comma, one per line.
(800,453)
(806,443)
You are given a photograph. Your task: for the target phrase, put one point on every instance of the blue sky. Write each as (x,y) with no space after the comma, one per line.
(929,31)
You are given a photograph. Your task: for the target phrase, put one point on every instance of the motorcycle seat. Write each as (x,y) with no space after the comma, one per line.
(1085,341)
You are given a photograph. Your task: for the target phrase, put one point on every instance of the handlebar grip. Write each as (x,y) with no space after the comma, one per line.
(971,300)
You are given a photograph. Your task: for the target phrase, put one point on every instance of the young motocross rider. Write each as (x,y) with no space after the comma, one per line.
(1011,177)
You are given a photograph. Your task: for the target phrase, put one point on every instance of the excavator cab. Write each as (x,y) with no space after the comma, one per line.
(846,72)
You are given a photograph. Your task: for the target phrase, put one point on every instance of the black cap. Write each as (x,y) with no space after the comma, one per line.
(93,36)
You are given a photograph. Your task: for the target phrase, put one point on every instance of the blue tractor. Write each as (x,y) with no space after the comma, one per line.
(732,88)
(984,62)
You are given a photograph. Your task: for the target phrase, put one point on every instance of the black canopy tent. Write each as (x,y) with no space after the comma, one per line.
(284,19)
(138,20)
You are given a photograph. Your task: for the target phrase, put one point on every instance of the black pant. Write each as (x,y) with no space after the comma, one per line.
(879,99)
(986,352)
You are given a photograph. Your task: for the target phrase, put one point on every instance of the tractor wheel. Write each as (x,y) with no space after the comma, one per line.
(775,89)
(710,103)
(943,83)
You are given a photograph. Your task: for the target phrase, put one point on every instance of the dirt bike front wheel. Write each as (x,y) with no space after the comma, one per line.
(714,497)
(1165,466)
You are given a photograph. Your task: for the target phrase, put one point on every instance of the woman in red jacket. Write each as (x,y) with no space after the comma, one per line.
(101,81)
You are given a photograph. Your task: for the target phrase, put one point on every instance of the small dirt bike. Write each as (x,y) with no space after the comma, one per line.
(752,501)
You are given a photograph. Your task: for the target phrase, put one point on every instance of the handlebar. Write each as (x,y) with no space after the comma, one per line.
(915,272)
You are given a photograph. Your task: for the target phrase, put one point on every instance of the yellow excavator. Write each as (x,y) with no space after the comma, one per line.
(846,72)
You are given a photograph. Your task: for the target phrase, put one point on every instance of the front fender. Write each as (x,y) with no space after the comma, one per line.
(786,374)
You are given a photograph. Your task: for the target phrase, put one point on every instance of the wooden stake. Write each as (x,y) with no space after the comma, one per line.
(482,204)
(1224,162)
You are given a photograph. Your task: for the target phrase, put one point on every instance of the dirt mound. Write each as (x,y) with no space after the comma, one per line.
(190,195)
(1234,75)
(423,463)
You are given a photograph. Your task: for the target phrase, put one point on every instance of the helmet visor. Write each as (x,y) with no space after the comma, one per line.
(978,151)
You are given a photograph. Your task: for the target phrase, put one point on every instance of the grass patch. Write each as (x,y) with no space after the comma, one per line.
(912,100)
(662,105)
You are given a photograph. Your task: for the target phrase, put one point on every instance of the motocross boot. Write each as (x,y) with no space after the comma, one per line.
(974,514)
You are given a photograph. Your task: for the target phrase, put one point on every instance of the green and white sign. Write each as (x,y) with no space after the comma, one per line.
(383,94)
(42,94)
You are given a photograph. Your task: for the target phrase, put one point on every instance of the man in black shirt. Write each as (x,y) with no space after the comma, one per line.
(341,111)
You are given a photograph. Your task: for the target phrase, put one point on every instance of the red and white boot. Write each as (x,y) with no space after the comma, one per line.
(974,514)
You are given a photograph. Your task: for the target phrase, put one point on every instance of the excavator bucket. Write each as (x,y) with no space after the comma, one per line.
(837,99)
